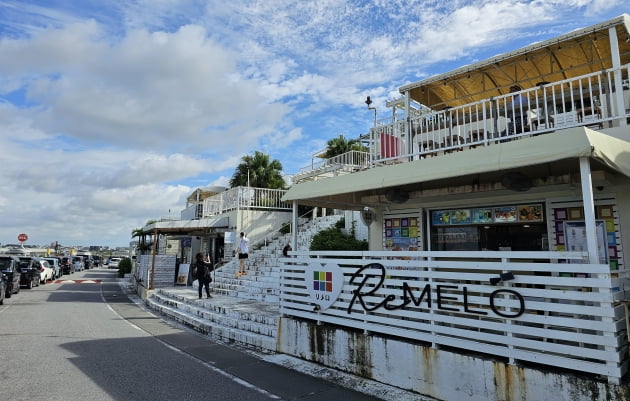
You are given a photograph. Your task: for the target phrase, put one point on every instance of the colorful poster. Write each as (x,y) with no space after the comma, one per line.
(182,273)
(505,214)
(460,216)
(530,212)
(403,234)
(482,215)
(441,217)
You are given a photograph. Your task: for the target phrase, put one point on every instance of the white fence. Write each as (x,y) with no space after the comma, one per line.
(548,308)
(158,276)
(243,198)
(348,162)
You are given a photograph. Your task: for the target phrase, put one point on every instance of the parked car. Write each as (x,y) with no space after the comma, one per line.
(3,287)
(30,270)
(56,266)
(78,263)
(67,267)
(45,270)
(98,261)
(113,263)
(10,267)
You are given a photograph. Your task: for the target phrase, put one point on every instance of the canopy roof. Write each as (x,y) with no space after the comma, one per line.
(577,53)
(201,194)
(187,227)
(346,191)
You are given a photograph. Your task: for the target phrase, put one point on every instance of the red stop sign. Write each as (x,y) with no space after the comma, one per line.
(22,237)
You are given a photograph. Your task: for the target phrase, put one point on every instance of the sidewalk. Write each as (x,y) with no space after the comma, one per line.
(239,337)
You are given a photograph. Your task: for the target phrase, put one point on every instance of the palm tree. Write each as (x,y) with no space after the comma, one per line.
(340,145)
(259,172)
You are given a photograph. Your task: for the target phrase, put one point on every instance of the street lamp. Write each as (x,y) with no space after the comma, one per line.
(368,101)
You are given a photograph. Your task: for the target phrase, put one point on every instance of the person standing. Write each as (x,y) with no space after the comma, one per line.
(243,250)
(202,272)
(517,111)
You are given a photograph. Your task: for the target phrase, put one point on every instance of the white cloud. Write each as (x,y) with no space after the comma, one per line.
(110,116)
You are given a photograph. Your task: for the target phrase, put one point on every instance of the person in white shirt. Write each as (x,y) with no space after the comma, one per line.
(242,254)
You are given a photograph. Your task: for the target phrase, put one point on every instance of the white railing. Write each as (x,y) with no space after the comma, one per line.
(244,198)
(348,162)
(592,100)
(544,307)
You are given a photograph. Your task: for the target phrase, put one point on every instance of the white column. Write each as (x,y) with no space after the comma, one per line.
(294,222)
(589,210)
(616,63)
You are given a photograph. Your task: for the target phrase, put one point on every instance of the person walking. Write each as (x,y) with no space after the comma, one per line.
(202,272)
(243,250)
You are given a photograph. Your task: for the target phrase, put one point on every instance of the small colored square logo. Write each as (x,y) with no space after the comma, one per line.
(322,281)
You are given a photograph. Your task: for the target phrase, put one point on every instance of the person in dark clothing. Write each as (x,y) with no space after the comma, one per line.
(202,273)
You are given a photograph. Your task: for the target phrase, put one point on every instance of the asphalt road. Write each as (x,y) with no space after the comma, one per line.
(85,340)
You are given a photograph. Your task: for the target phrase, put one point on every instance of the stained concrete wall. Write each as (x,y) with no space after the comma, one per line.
(436,373)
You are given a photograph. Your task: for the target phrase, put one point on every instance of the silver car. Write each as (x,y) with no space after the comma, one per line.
(113,263)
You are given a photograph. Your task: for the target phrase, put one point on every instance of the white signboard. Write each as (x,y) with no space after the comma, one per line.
(182,274)
(575,237)
(230,236)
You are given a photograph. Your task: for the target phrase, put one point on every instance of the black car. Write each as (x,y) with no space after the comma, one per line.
(3,287)
(10,267)
(98,261)
(30,269)
(66,265)
(88,262)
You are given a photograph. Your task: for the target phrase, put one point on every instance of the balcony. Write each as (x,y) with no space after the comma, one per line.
(241,198)
(593,100)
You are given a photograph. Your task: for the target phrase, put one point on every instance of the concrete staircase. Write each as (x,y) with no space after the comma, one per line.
(262,281)
(242,310)
(224,318)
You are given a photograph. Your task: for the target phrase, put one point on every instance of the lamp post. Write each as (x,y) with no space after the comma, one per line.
(368,101)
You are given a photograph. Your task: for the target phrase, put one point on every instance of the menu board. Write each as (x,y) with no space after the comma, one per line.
(530,213)
(451,217)
(486,215)
(482,215)
(505,214)
(575,237)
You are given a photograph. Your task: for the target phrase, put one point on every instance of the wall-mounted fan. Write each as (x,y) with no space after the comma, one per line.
(516,181)
(397,195)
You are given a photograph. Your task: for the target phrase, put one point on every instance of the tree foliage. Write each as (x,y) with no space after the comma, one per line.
(340,145)
(258,171)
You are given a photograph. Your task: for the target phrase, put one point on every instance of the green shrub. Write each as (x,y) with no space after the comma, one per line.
(333,239)
(124,267)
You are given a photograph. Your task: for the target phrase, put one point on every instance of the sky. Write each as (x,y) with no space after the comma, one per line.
(113,112)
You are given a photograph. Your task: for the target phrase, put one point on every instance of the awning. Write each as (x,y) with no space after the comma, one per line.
(531,151)
(580,52)
(186,226)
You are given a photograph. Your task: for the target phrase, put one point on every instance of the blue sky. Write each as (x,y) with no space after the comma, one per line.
(112,112)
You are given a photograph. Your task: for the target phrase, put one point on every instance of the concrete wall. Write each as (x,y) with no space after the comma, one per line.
(436,373)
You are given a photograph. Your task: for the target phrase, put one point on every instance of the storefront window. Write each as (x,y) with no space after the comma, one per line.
(510,227)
